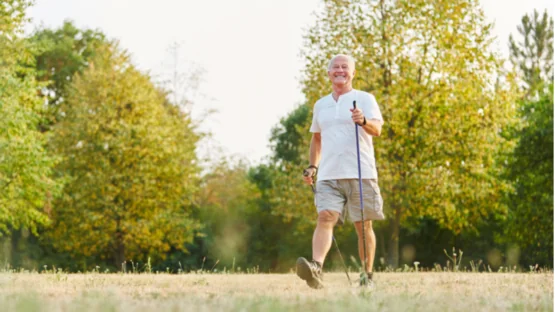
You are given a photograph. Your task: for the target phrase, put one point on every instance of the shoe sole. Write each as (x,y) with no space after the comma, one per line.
(305,273)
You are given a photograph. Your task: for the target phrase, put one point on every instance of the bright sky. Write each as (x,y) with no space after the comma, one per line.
(248,50)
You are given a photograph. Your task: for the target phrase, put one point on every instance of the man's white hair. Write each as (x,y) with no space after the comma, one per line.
(350,59)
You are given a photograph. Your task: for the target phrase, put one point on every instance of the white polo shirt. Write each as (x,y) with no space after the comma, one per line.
(334,123)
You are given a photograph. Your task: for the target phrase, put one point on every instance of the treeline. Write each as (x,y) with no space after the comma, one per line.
(98,163)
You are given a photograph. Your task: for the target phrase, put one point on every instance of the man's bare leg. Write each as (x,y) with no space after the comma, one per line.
(323,234)
(311,271)
(370,244)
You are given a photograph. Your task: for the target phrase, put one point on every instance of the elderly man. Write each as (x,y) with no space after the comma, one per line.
(333,157)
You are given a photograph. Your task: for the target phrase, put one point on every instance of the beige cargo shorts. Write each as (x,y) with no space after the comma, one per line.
(343,196)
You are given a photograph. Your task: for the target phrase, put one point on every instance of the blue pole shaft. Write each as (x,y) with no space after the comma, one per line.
(360,193)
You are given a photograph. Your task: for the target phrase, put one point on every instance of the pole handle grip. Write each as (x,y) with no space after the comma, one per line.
(354,104)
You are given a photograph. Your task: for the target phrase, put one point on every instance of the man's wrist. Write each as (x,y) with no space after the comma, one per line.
(363,123)
(306,172)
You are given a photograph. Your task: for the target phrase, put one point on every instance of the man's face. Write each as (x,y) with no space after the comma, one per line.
(341,71)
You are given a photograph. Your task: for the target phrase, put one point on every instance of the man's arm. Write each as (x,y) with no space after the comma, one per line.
(372,127)
(315,149)
(314,156)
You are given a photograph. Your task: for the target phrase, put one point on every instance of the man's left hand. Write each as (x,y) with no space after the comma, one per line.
(357,116)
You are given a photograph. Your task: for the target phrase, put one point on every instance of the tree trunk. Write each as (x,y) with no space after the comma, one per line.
(14,248)
(381,243)
(119,252)
(393,246)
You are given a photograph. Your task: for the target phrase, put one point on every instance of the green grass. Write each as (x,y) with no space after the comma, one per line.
(413,291)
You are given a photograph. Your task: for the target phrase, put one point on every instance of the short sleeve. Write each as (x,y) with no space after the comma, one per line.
(315,127)
(371,109)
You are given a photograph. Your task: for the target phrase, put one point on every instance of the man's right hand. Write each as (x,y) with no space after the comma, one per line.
(308,175)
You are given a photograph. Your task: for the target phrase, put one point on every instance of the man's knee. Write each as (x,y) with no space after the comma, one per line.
(328,218)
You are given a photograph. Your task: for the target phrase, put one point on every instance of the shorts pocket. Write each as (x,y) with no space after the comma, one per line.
(373,201)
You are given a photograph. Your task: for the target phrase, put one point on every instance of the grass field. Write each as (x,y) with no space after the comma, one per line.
(416,291)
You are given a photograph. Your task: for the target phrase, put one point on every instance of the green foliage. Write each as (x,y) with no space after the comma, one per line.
(62,53)
(130,162)
(26,183)
(12,18)
(530,222)
(533,56)
(288,136)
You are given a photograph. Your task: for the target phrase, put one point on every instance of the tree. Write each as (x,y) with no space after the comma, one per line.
(533,56)
(129,159)
(444,98)
(530,171)
(530,219)
(26,180)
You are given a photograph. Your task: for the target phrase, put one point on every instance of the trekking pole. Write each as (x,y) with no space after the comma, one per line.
(342,261)
(306,174)
(361,203)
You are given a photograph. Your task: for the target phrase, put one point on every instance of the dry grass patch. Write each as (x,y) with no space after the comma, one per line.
(274,292)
